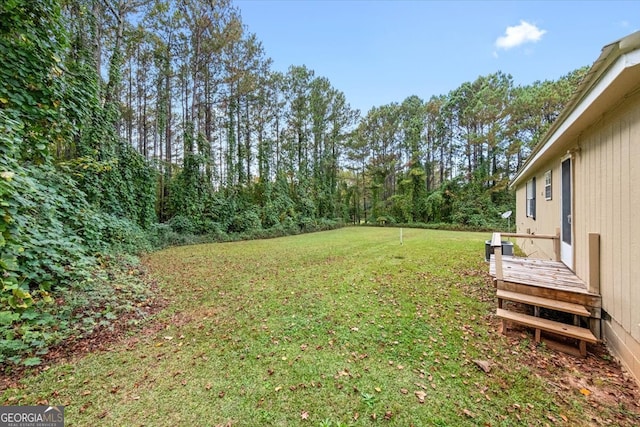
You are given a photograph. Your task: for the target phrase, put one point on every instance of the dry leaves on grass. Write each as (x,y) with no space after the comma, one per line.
(484,365)
(597,377)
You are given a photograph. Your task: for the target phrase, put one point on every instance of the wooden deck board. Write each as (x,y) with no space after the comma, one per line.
(541,273)
(548,325)
(590,301)
(552,304)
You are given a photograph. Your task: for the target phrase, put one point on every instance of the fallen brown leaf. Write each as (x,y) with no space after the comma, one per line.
(484,365)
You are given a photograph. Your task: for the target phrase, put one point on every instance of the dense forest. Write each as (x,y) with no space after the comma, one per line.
(128,125)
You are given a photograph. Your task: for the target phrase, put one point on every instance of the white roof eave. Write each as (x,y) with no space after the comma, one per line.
(599,78)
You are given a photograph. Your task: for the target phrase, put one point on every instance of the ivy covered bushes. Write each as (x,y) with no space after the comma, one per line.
(197,212)
(52,241)
(71,195)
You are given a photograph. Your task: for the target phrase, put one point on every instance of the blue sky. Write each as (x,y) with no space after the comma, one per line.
(378,52)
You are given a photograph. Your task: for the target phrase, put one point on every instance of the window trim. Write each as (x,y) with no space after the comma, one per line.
(548,189)
(530,191)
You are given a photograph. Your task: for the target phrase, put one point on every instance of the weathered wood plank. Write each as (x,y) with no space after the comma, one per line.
(530,236)
(591,302)
(565,348)
(563,329)
(553,276)
(548,282)
(539,273)
(540,264)
(543,280)
(552,304)
(496,240)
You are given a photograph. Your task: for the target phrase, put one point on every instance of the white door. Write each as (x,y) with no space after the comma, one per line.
(566,237)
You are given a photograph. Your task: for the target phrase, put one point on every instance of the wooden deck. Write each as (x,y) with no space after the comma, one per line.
(545,284)
(546,279)
(537,272)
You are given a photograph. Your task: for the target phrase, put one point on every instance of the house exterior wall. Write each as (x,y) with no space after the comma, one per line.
(606,200)
(547,214)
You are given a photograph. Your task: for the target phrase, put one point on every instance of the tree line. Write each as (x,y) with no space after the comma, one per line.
(239,146)
(450,158)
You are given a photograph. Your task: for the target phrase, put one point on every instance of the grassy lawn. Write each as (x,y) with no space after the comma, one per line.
(346,327)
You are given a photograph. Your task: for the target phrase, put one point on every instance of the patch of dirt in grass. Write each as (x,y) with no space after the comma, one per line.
(611,394)
(101,339)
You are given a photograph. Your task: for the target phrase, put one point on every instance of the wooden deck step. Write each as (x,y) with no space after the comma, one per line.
(582,334)
(566,307)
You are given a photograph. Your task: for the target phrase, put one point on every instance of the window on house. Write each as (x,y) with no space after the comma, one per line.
(531,198)
(547,185)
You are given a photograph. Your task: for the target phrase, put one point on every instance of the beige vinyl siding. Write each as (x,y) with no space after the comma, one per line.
(633,256)
(607,201)
(547,214)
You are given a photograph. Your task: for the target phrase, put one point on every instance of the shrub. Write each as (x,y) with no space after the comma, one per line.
(182,224)
(245,221)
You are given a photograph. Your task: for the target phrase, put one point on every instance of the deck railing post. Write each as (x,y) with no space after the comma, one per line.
(497,253)
(496,243)
(594,263)
(556,245)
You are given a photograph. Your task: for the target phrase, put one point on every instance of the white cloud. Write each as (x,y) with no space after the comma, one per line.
(518,35)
